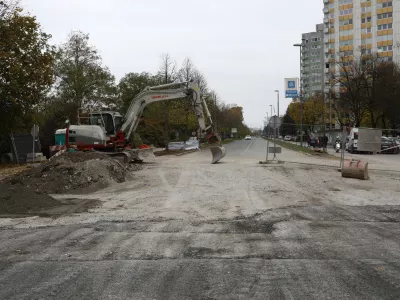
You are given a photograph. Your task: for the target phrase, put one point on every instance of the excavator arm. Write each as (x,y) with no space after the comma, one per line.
(185,90)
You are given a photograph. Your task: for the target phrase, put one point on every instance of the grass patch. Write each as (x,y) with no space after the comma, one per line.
(227,141)
(207,145)
(298,148)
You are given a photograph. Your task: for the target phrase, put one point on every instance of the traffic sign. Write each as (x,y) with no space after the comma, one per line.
(35,131)
(275,122)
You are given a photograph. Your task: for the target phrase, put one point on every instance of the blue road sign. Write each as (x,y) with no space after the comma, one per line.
(291,94)
(291,84)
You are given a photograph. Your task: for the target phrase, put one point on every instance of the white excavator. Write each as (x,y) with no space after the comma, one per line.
(110,132)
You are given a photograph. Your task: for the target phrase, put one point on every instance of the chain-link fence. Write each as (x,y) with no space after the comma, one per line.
(379,150)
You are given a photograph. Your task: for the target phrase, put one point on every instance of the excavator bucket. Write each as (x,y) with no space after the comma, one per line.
(142,154)
(217,153)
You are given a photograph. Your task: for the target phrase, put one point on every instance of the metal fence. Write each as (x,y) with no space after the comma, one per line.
(381,157)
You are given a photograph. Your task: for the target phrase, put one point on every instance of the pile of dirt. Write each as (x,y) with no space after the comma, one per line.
(74,172)
(15,199)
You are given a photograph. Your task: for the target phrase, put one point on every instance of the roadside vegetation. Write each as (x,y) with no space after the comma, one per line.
(46,84)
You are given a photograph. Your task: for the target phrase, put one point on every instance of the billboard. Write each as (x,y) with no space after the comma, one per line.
(291,88)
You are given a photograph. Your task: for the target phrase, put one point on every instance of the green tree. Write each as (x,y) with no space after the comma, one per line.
(26,72)
(82,80)
(132,84)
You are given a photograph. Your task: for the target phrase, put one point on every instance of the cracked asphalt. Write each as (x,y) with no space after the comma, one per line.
(186,229)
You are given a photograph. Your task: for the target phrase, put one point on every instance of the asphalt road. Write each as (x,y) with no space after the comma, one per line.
(186,229)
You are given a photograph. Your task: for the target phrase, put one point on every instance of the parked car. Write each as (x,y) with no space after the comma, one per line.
(288,138)
(247,137)
(389,143)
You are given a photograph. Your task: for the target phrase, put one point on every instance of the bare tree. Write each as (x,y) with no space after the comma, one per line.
(167,71)
(187,70)
(7,8)
(351,103)
(201,81)
(167,74)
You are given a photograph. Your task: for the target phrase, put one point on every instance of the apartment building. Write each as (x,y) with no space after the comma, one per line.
(312,62)
(353,25)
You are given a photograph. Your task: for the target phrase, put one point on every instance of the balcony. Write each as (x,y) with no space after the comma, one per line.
(326,20)
(326,1)
(326,30)
(326,50)
(326,10)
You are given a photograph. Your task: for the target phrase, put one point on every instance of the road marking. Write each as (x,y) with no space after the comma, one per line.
(247,147)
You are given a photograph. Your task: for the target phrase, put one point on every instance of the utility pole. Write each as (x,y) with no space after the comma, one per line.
(277,93)
(215,114)
(300,95)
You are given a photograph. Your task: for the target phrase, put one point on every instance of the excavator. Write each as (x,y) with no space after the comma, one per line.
(110,132)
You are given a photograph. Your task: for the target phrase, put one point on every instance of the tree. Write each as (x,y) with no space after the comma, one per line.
(288,125)
(167,74)
(352,82)
(314,112)
(81,78)
(186,72)
(132,84)
(388,88)
(26,72)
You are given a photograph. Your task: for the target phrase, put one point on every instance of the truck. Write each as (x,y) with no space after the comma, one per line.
(364,140)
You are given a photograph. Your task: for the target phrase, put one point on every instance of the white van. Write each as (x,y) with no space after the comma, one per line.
(365,140)
(353,140)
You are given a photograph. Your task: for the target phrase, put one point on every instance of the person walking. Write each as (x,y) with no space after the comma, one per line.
(324,142)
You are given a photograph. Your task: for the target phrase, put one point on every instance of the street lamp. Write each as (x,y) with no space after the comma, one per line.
(301,102)
(271,113)
(277,93)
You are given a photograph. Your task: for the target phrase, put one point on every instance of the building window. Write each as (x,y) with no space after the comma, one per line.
(385,26)
(346,12)
(385,4)
(385,15)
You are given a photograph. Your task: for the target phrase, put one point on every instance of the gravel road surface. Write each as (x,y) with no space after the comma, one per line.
(186,229)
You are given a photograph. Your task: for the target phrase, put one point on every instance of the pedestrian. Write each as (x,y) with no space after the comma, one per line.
(324,142)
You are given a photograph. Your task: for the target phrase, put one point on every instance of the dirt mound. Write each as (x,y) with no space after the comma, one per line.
(17,199)
(74,172)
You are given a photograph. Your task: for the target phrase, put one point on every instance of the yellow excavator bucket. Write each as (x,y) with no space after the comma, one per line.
(217,153)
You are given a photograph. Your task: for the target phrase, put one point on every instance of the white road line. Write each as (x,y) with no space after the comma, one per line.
(247,147)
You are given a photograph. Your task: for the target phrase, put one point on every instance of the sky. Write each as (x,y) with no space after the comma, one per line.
(244,48)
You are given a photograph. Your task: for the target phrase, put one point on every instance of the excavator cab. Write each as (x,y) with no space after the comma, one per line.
(110,121)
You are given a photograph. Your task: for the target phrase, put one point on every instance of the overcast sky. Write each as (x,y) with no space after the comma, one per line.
(244,48)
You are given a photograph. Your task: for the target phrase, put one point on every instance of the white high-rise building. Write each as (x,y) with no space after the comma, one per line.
(312,62)
(352,25)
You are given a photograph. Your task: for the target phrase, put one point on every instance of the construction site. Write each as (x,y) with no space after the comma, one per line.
(181,150)
(84,217)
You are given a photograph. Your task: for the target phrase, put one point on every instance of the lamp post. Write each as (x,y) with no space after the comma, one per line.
(300,96)
(215,117)
(271,114)
(277,94)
